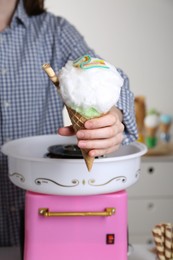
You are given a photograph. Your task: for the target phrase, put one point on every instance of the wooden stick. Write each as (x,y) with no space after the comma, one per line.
(50,72)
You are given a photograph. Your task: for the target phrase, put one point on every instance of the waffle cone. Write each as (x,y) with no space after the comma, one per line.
(165,127)
(151,131)
(78,122)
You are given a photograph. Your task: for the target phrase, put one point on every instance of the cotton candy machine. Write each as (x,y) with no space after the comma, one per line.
(31,168)
(71,213)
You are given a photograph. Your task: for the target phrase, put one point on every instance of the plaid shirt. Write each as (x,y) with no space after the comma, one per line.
(29,104)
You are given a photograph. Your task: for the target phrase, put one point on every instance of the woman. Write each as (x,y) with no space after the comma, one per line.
(29,37)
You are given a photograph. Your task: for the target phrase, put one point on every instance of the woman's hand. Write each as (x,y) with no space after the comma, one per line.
(102,135)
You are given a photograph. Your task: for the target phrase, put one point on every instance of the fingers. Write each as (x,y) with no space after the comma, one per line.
(105,120)
(98,147)
(66,131)
(101,141)
(108,119)
(101,133)
(101,152)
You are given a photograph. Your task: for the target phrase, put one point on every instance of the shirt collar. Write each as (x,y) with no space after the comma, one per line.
(20,15)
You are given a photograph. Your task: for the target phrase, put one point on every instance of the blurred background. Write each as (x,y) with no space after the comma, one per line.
(134,35)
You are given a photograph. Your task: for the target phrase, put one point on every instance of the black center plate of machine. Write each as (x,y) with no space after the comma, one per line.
(70,151)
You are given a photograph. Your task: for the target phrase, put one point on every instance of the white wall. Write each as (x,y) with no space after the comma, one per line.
(135,35)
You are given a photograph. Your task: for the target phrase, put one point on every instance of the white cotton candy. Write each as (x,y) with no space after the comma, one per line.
(97,88)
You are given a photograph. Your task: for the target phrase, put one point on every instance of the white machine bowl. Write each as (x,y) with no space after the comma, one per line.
(29,169)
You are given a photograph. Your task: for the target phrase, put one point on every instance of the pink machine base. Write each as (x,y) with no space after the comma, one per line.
(79,237)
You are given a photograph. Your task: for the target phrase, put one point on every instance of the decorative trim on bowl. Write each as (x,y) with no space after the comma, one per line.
(17,176)
(123,179)
(40,181)
(137,174)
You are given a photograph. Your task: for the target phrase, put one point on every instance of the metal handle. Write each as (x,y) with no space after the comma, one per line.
(45,212)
